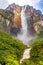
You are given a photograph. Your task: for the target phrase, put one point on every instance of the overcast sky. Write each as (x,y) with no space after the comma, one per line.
(38,4)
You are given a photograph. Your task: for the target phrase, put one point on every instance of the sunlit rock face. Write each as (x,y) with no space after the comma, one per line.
(15,28)
(17,15)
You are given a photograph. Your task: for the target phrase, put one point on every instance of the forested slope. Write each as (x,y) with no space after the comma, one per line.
(10,49)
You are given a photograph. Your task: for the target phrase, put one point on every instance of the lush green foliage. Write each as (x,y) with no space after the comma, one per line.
(10,49)
(36,53)
(40,35)
(37,50)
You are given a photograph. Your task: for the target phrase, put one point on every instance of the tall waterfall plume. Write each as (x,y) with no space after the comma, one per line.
(23,35)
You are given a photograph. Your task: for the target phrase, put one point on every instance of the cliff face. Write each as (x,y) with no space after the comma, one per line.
(17,14)
(17,17)
(11,17)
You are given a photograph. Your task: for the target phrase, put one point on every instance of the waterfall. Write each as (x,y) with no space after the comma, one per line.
(26,55)
(24,22)
(23,35)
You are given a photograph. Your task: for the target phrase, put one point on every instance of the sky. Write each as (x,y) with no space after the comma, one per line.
(38,4)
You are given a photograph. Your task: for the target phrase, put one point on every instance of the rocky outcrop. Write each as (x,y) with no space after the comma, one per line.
(38,25)
(12,14)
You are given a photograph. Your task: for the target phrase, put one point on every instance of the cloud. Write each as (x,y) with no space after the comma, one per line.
(35,3)
(40,6)
(3,4)
(24,2)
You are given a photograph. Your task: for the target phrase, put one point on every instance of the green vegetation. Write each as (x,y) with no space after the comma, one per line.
(7,15)
(36,52)
(6,19)
(40,35)
(10,49)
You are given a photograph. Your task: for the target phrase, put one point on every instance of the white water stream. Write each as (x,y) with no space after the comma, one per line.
(26,55)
